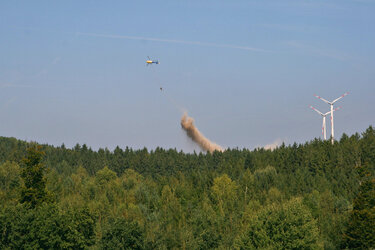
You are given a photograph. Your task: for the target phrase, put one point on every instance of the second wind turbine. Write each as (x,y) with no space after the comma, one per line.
(324,133)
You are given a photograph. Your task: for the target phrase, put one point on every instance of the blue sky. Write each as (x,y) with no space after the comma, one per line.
(246,71)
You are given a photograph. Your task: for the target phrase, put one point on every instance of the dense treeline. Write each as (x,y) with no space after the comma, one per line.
(302,196)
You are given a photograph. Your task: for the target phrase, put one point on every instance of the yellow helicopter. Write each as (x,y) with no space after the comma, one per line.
(149,61)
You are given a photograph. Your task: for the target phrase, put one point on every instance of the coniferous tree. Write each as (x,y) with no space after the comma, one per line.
(34,192)
(361,229)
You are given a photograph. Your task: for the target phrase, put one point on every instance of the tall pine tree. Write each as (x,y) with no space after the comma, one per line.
(361,229)
(34,190)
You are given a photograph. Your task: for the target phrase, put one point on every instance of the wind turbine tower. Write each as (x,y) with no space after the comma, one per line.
(331,103)
(324,133)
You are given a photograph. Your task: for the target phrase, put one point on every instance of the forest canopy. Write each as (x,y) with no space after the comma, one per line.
(300,196)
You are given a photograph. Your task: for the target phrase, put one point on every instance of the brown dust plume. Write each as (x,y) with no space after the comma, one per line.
(187,123)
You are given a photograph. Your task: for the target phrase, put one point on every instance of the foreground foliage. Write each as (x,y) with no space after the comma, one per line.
(309,196)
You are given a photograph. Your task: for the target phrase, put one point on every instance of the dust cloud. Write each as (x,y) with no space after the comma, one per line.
(273,145)
(187,123)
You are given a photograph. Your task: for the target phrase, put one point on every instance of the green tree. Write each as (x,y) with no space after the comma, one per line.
(171,219)
(10,181)
(224,192)
(289,226)
(122,234)
(34,192)
(265,178)
(105,175)
(360,233)
(45,227)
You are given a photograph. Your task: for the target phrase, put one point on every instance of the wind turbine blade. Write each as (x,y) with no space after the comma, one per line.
(329,112)
(320,113)
(321,98)
(340,97)
(337,108)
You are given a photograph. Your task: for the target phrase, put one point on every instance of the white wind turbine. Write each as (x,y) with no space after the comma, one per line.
(331,103)
(324,133)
